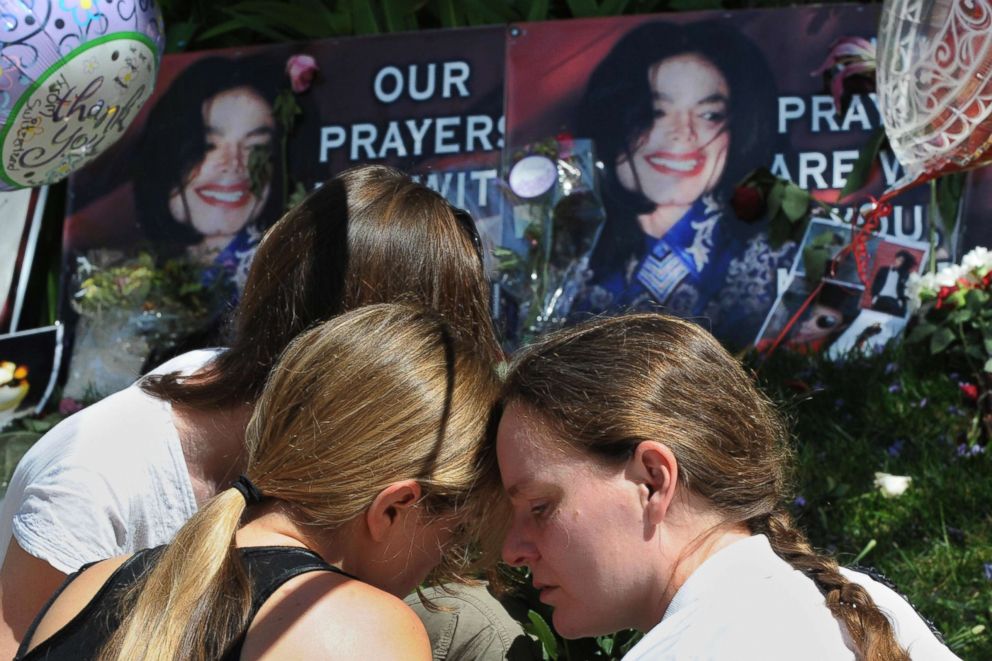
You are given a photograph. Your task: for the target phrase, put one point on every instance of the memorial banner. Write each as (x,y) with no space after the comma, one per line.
(225,145)
(679,108)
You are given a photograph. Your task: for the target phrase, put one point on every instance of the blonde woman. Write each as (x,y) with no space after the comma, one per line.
(647,476)
(363,474)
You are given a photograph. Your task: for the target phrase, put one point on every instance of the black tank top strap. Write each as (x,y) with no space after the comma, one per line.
(269,567)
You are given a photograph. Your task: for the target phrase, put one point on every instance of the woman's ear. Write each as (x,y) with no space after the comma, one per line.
(391,508)
(655,467)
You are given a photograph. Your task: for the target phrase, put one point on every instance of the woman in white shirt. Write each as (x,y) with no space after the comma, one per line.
(647,475)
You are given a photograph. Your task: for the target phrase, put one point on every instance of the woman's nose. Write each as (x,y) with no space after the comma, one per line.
(517,549)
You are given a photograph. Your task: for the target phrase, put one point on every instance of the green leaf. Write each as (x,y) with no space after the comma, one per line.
(399,15)
(960,316)
(815,260)
(179,35)
(446,13)
(538,10)
(795,202)
(613,7)
(988,365)
(775,196)
(583,8)
(544,634)
(362,18)
(921,331)
(950,189)
(693,5)
(862,167)
(941,339)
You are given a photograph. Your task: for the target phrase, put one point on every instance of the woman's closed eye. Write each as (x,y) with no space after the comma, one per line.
(540,510)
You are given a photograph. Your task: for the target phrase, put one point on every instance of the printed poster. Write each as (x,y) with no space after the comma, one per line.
(209,164)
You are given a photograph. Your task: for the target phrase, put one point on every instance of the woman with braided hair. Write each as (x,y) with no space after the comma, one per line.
(646,474)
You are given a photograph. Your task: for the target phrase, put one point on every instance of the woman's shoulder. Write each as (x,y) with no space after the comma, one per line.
(80,593)
(328,615)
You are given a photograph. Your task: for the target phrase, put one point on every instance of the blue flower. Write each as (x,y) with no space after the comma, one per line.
(922,403)
(801,502)
(895,449)
(891,368)
(987,570)
(895,387)
(953,410)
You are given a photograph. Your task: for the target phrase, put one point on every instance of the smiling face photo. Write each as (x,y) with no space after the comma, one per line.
(217,199)
(683,153)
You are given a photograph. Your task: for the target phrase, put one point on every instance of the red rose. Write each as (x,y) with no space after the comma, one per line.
(301,70)
(943,294)
(969,390)
(748,203)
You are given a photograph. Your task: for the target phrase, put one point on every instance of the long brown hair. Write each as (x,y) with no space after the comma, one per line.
(608,384)
(376,395)
(369,235)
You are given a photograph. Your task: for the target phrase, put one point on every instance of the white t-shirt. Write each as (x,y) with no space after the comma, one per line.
(744,603)
(109,480)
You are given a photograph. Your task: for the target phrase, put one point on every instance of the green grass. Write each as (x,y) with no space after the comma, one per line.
(902,413)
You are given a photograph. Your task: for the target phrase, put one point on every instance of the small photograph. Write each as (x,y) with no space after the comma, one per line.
(29,365)
(869,332)
(846,314)
(827,316)
(892,264)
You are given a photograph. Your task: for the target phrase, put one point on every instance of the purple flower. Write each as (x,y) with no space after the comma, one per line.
(799,501)
(953,410)
(895,387)
(987,570)
(895,449)
(964,450)
(922,403)
(891,368)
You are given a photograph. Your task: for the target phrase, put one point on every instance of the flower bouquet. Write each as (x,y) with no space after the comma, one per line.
(557,217)
(953,310)
(130,308)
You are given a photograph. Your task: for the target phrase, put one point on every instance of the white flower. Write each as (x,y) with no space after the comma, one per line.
(892,486)
(948,276)
(979,258)
(920,287)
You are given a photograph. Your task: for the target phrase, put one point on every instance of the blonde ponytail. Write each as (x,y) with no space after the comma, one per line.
(196,599)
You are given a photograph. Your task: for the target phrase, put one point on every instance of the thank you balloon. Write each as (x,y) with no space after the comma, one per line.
(73,75)
(935,85)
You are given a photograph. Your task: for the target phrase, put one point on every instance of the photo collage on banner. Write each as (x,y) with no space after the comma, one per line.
(676,109)
(845,315)
(160,230)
